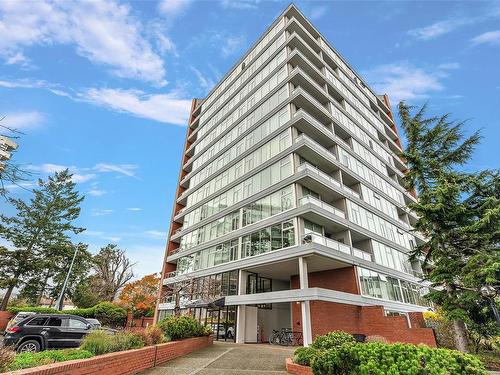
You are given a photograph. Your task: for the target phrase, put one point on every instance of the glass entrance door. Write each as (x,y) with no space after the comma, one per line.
(223,323)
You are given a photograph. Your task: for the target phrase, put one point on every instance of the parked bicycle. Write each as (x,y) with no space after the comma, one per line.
(286,336)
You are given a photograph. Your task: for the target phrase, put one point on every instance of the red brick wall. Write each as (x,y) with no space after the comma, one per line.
(122,363)
(293,368)
(367,320)
(5,316)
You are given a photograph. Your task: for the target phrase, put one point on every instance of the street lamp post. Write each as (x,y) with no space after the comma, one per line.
(60,300)
(489,292)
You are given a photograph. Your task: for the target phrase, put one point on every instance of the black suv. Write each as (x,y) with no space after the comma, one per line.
(47,331)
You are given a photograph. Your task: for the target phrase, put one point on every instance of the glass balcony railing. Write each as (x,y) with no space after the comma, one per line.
(336,245)
(312,200)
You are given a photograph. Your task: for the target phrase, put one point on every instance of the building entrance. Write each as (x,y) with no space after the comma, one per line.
(222,321)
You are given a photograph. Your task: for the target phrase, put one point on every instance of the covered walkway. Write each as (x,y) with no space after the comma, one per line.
(228,359)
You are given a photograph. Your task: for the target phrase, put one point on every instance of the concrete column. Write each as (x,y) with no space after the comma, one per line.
(304,305)
(241,310)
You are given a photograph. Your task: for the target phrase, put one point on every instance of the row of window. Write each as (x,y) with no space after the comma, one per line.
(248,141)
(275,237)
(375,224)
(375,284)
(268,206)
(369,157)
(393,258)
(361,134)
(367,174)
(242,167)
(379,202)
(246,62)
(233,95)
(341,64)
(256,115)
(235,110)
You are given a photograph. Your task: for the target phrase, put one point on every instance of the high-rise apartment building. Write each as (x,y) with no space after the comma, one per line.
(290,210)
(7,145)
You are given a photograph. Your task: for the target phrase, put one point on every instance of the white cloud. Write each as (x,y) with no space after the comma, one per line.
(446,26)
(101,212)
(317,12)
(135,209)
(167,108)
(23,120)
(206,83)
(49,168)
(239,4)
(124,169)
(232,45)
(96,192)
(172,7)
(104,32)
(156,234)
(490,37)
(439,28)
(404,81)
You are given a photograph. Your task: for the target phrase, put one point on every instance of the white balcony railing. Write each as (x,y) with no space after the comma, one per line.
(312,200)
(333,244)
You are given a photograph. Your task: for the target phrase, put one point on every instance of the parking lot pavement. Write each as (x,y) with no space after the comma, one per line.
(228,359)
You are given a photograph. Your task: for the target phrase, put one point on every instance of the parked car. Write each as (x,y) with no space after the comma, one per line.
(47,331)
(21,315)
(229,334)
(97,325)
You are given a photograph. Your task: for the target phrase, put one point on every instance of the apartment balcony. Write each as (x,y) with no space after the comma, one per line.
(315,201)
(336,245)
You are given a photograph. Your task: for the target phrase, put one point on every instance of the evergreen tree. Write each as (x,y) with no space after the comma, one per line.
(458,213)
(38,228)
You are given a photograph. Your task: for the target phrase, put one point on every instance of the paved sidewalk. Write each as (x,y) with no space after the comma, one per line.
(228,359)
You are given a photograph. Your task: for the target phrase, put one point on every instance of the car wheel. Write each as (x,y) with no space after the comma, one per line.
(30,346)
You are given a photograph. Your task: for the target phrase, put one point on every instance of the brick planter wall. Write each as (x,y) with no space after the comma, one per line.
(293,368)
(5,316)
(123,363)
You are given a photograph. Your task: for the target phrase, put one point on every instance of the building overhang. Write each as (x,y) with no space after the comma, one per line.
(319,294)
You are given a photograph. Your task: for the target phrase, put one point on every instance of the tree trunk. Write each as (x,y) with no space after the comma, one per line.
(460,336)
(6,298)
(40,295)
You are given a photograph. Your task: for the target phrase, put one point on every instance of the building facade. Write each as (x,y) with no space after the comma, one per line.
(290,210)
(7,146)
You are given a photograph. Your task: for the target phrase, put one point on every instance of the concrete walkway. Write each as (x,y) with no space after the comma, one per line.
(228,359)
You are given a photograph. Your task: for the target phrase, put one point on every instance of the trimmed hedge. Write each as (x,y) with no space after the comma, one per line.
(394,359)
(180,327)
(304,356)
(333,340)
(106,312)
(28,360)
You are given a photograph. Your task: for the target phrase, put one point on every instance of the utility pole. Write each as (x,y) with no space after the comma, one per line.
(60,300)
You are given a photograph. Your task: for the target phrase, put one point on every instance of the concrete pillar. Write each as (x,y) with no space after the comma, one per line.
(305,305)
(241,310)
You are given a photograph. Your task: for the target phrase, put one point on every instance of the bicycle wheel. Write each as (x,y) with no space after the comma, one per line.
(274,339)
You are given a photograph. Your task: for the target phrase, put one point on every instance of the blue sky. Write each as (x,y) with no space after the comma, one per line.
(104,88)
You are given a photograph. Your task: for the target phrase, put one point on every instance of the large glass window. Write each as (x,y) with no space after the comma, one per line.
(267,239)
(377,285)
(245,189)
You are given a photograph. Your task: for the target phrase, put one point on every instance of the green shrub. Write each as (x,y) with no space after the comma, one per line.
(85,313)
(152,335)
(6,357)
(101,342)
(27,360)
(304,356)
(332,340)
(110,314)
(180,327)
(395,359)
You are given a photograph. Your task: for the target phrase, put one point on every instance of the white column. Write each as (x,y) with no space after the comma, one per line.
(304,305)
(240,314)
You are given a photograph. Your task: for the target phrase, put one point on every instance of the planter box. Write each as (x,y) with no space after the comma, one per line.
(121,363)
(293,368)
